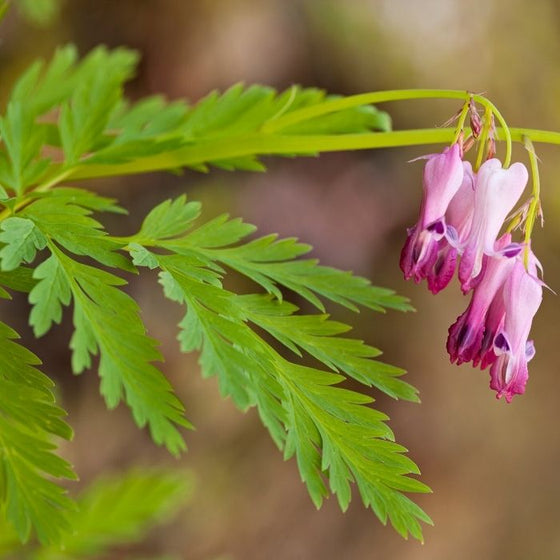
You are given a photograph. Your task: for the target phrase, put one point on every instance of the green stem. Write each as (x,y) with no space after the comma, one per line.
(258,144)
(535,199)
(266,142)
(43,187)
(377,97)
(483,138)
(461,121)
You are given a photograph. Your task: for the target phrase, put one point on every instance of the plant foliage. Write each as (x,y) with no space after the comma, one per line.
(68,120)
(114,511)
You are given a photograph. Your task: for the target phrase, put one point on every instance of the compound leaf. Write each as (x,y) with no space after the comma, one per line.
(22,239)
(337,438)
(107,322)
(29,421)
(120,509)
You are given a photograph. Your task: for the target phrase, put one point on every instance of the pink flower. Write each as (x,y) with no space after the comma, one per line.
(459,213)
(458,218)
(497,310)
(422,256)
(522,296)
(462,214)
(495,327)
(468,335)
(496,193)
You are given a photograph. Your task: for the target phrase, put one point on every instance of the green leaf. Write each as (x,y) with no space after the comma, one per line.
(67,220)
(147,119)
(84,118)
(141,256)
(336,437)
(221,231)
(80,197)
(106,320)
(49,295)
(317,335)
(22,240)
(151,128)
(43,87)
(100,133)
(20,279)
(271,262)
(20,163)
(3,9)
(107,323)
(28,422)
(169,219)
(119,510)
(243,110)
(329,429)
(85,95)
(40,12)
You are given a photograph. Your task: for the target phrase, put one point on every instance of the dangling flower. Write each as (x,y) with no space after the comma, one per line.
(460,210)
(496,193)
(522,296)
(458,218)
(443,176)
(467,335)
(461,215)
(497,310)
(495,327)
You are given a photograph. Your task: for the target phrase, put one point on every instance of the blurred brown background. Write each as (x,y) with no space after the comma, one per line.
(493,467)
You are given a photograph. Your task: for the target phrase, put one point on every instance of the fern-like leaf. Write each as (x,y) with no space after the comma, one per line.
(336,437)
(29,421)
(118,510)
(106,320)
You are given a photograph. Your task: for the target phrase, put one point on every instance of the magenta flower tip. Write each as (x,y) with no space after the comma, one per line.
(522,296)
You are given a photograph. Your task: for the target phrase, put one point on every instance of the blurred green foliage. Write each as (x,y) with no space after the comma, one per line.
(113,512)
(39,12)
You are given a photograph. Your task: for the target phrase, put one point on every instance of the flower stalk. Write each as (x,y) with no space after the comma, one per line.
(535,204)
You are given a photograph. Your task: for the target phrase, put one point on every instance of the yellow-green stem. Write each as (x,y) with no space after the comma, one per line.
(535,198)
(334,105)
(461,121)
(483,138)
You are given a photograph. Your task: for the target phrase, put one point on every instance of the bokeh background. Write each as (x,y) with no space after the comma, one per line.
(493,467)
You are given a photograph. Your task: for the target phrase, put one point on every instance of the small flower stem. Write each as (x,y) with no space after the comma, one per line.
(507,136)
(535,198)
(483,138)
(461,120)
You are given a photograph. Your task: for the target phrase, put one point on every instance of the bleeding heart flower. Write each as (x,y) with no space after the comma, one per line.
(467,335)
(522,296)
(461,215)
(458,218)
(443,176)
(496,193)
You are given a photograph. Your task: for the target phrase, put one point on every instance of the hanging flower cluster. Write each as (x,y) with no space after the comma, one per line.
(461,215)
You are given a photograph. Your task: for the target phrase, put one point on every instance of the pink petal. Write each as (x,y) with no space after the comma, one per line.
(460,210)
(497,191)
(522,298)
(443,176)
